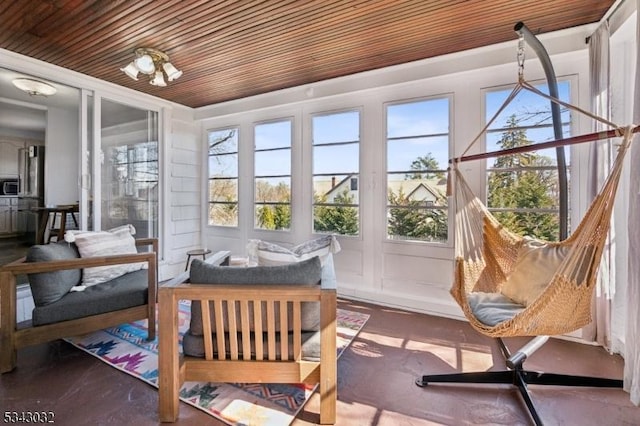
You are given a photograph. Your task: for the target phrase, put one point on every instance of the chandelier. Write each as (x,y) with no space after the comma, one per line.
(152,62)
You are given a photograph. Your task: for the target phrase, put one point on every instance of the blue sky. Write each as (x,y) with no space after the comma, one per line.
(422,127)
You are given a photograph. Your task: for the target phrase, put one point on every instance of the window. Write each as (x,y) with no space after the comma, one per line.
(223,177)
(417,157)
(129,179)
(336,164)
(272,171)
(134,182)
(523,189)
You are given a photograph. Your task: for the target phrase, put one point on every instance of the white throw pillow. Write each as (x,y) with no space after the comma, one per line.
(105,243)
(536,265)
(270,254)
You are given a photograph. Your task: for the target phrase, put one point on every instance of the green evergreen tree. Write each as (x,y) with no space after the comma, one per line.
(420,164)
(340,219)
(276,212)
(282,216)
(523,186)
(265,217)
(410,220)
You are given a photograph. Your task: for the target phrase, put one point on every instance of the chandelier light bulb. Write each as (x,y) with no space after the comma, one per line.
(145,64)
(158,80)
(131,70)
(172,72)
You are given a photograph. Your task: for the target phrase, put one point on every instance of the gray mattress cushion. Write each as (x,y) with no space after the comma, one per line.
(49,287)
(126,291)
(493,308)
(194,346)
(305,272)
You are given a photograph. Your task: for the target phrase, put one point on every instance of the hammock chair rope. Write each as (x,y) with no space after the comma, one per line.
(487,253)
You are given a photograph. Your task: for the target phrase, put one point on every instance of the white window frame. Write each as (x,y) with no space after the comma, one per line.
(313,115)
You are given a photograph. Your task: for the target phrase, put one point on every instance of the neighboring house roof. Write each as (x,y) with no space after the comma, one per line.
(433,189)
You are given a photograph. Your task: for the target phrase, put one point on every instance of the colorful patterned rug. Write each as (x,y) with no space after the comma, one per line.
(125,347)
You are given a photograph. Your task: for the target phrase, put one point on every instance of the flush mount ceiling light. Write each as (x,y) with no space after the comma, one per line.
(34,87)
(152,62)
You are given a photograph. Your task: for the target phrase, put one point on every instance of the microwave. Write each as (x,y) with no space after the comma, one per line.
(9,186)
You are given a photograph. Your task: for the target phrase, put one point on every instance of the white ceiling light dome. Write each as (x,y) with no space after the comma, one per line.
(34,87)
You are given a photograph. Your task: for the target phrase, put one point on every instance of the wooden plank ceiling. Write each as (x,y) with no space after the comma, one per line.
(233,49)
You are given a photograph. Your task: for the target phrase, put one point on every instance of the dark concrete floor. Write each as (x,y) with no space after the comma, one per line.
(376,377)
(11,249)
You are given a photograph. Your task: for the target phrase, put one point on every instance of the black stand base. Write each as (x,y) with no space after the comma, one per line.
(519,377)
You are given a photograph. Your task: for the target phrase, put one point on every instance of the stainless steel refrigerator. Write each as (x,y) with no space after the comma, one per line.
(31,190)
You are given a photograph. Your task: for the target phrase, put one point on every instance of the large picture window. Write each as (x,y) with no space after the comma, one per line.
(522,189)
(336,164)
(272,172)
(223,177)
(417,136)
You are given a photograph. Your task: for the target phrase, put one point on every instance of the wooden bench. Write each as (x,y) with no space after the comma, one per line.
(14,337)
(235,354)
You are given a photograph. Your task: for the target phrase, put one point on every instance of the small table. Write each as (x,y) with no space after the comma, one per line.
(196,252)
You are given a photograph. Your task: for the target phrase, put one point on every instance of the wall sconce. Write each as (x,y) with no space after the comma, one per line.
(152,62)
(34,87)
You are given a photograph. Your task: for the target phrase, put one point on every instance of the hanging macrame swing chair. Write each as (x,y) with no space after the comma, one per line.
(510,285)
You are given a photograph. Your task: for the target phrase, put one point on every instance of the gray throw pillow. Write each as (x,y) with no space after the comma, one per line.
(305,272)
(49,287)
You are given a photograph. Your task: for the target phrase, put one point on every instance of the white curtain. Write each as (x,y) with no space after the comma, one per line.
(600,158)
(632,338)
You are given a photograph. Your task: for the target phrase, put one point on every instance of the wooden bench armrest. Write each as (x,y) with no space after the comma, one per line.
(148,242)
(23,267)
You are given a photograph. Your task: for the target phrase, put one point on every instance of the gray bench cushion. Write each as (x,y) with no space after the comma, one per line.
(493,308)
(49,287)
(305,273)
(126,291)
(194,346)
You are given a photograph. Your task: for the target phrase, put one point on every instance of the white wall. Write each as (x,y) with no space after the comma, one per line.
(183,185)
(411,275)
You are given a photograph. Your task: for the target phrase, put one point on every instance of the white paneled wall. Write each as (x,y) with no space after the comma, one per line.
(185,197)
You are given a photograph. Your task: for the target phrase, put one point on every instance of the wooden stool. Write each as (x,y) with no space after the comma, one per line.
(196,252)
(64,212)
